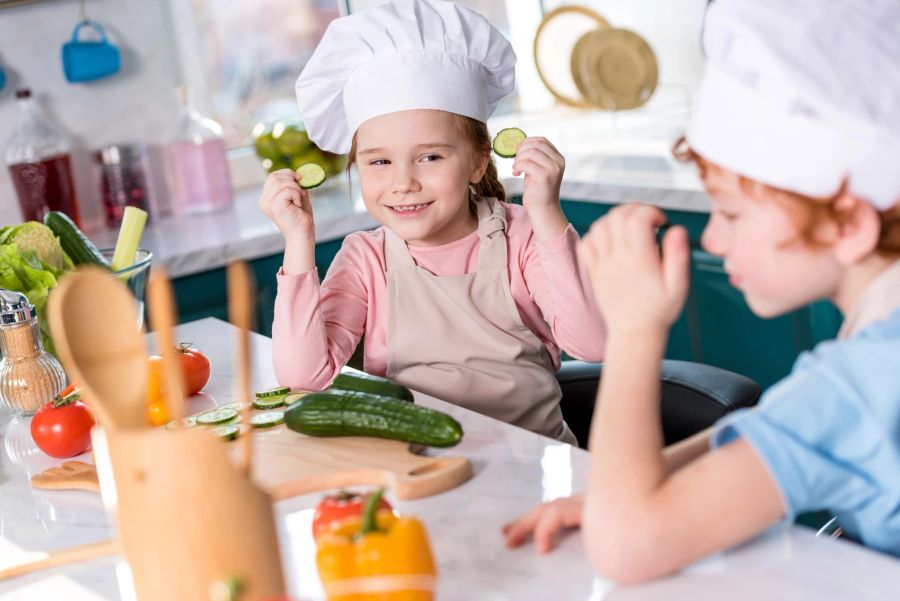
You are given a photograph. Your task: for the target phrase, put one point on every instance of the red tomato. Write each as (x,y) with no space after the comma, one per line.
(62,427)
(334,509)
(195,366)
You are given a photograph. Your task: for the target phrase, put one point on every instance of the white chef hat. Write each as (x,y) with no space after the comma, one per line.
(803,94)
(406,54)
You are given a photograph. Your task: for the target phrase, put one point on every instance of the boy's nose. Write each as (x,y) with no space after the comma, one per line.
(711,240)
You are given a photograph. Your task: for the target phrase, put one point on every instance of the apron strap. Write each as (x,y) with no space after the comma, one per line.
(492,254)
(396,253)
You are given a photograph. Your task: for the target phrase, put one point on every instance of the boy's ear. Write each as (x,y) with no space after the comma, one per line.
(859,229)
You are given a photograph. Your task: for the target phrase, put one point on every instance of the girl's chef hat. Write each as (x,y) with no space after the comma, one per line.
(406,54)
(803,94)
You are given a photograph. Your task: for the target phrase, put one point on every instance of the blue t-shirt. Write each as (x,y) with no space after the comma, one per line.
(829,433)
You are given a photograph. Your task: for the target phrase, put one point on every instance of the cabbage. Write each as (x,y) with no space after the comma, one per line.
(22,271)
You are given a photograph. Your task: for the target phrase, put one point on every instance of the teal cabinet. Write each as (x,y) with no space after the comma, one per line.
(206,294)
(717,327)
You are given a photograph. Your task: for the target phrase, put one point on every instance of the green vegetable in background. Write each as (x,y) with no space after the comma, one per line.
(23,270)
(39,238)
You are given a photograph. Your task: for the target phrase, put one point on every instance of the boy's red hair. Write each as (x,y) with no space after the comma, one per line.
(808,213)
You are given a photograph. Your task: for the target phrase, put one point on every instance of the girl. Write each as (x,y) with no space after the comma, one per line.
(459,295)
(805,187)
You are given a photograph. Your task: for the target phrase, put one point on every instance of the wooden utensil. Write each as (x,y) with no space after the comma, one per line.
(71,474)
(61,558)
(161,306)
(240,303)
(91,317)
(187,517)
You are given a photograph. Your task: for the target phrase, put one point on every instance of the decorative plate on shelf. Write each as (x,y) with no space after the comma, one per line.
(614,69)
(554,42)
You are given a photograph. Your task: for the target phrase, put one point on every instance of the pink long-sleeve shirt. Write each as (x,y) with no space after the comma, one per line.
(318,326)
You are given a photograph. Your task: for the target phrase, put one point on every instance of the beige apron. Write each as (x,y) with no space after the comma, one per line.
(877,302)
(461,338)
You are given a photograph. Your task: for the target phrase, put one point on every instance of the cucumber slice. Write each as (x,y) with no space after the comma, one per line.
(277,391)
(236,406)
(181,424)
(229,432)
(216,417)
(269,419)
(507,141)
(312,175)
(292,398)
(268,402)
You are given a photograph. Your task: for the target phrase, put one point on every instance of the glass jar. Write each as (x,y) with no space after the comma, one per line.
(125,179)
(29,375)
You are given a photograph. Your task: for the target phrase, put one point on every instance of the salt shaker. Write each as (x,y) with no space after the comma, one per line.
(29,375)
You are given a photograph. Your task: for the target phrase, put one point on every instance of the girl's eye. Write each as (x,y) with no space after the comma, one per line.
(380,162)
(430,158)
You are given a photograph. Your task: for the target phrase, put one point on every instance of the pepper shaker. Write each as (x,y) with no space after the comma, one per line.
(29,375)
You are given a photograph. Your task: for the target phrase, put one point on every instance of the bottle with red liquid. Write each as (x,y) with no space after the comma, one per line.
(39,161)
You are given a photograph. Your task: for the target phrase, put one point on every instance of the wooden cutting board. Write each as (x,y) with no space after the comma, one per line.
(287,464)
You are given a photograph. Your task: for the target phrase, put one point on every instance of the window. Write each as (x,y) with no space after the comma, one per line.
(247,57)
(241,59)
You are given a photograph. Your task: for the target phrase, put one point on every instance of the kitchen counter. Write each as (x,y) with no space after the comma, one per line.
(186,245)
(514,470)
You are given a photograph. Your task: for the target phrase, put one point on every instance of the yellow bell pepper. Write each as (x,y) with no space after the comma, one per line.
(378,557)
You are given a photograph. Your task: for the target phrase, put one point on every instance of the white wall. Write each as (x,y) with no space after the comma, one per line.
(137,104)
(671,27)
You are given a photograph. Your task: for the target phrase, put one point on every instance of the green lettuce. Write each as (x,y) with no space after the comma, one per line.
(22,271)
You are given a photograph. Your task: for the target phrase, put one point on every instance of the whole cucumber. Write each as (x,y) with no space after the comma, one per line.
(81,250)
(352,413)
(363,382)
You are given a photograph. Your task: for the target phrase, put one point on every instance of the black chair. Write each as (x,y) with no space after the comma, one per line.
(694,396)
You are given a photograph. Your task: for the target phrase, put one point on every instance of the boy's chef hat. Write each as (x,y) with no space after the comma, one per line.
(406,54)
(803,94)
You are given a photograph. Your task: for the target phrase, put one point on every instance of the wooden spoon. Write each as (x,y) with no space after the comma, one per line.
(92,319)
(240,303)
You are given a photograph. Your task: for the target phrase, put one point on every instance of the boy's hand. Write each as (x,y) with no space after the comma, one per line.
(636,290)
(544,521)
(287,205)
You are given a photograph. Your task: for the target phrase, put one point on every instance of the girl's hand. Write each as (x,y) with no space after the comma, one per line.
(543,167)
(287,205)
(544,522)
(636,290)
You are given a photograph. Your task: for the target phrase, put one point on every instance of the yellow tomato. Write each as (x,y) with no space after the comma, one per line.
(155,380)
(157,413)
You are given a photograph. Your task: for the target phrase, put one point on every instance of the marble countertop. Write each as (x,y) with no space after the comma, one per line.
(186,245)
(514,470)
